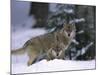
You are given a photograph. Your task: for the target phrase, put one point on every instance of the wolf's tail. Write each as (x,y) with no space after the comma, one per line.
(18,51)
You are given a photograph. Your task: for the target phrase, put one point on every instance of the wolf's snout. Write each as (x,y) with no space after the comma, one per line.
(69,34)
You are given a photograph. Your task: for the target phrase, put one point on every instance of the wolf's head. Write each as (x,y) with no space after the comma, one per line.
(69,30)
(57,51)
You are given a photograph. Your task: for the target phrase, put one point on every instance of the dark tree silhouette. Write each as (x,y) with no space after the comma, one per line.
(40,11)
(89,27)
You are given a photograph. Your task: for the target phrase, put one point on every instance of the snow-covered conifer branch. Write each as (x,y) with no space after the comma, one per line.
(77,20)
(80,32)
(83,50)
(75,42)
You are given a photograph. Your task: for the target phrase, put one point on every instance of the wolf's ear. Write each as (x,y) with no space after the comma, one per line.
(64,25)
(72,23)
(74,26)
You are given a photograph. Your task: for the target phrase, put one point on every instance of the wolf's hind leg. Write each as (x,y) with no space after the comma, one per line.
(31,60)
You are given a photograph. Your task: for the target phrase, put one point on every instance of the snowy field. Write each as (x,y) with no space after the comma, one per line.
(54,65)
(21,32)
(19,63)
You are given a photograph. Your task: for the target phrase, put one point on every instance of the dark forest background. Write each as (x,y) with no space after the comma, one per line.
(84,17)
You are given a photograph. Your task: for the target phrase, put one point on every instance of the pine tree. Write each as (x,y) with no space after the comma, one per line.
(63,13)
(84,19)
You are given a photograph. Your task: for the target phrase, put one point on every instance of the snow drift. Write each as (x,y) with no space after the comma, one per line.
(19,63)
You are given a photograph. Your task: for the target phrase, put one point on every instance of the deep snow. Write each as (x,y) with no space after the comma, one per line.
(21,32)
(19,62)
(53,65)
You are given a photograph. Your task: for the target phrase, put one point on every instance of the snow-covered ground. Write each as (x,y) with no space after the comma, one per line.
(54,65)
(21,32)
(19,63)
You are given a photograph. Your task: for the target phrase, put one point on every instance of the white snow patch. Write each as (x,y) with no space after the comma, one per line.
(77,20)
(53,65)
